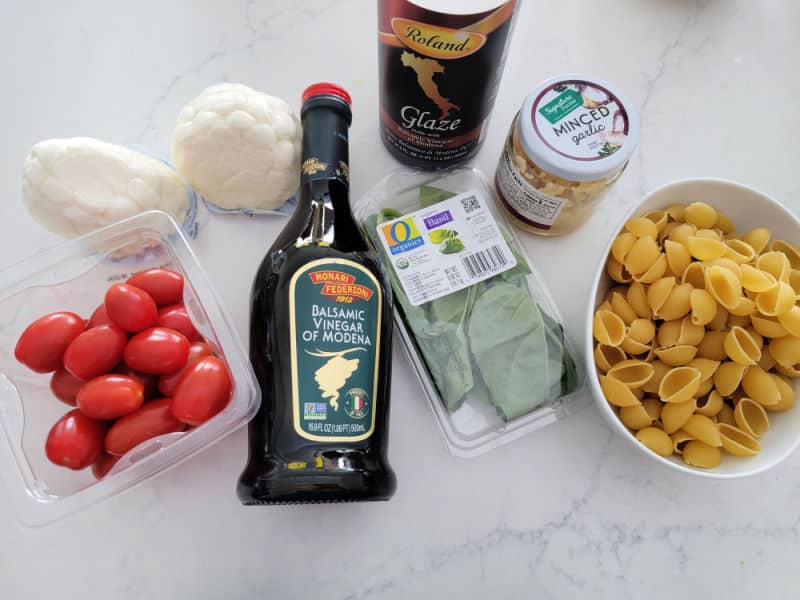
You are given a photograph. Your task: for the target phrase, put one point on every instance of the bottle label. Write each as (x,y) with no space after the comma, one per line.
(445,247)
(522,199)
(335,311)
(439,74)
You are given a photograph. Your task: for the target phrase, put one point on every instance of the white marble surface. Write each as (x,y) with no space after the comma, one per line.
(569,512)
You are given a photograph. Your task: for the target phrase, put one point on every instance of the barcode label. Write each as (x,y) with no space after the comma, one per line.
(484,261)
(470,203)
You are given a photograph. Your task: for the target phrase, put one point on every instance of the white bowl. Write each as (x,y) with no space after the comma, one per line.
(747,208)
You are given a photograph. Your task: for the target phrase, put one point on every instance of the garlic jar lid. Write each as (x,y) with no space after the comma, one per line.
(577,127)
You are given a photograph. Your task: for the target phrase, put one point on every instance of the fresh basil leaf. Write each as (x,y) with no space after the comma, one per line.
(429,195)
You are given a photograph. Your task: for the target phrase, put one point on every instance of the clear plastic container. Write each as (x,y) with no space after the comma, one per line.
(74,277)
(479,421)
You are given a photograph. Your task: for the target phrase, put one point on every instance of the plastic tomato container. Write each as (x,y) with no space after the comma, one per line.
(74,277)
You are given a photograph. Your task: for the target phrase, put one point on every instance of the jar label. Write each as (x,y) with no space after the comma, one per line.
(523,200)
(335,311)
(580,120)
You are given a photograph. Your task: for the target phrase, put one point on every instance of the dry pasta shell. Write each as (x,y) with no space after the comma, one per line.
(710,405)
(770,327)
(606,357)
(655,272)
(653,408)
(758,339)
(658,293)
(656,440)
(621,307)
(743,308)
(659,370)
(698,454)
(728,377)
(758,238)
(739,251)
(701,215)
(642,227)
(669,333)
(659,217)
(694,275)
(634,347)
(790,250)
(679,384)
(724,224)
(678,257)
(760,386)
(751,417)
(622,245)
(642,255)
(787,392)
(712,345)
(704,248)
(635,417)
(709,234)
(738,442)
(616,392)
(794,280)
(776,264)
(703,307)
(675,414)
(791,372)
(665,233)
(676,212)
(608,328)
(786,351)
(756,280)
(677,303)
(679,440)
(739,321)
(676,356)
(724,286)
(778,300)
(633,373)
(725,415)
(690,333)
(682,233)
(637,298)
(642,330)
(702,428)
(706,366)
(741,347)
(726,263)
(767,362)
(705,387)
(790,321)
(617,271)
(720,320)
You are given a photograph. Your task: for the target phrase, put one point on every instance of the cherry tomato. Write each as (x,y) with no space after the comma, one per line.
(157,350)
(151,420)
(130,307)
(103,464)
(41,346)
(110,396)
(176,317)
(75,441)
(95,352)
(100,317)
(65,386)
(165,286)
(203,391)
(168,383)
(149,382)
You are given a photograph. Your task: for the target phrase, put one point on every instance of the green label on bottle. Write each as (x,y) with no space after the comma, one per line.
(335,319)
(561,106)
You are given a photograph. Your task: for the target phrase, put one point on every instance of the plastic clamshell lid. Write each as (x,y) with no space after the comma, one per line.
(74,276)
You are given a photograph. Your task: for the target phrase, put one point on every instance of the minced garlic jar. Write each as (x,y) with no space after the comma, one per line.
(572,138)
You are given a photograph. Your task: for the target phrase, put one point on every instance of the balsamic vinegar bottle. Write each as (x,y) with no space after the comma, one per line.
(320,338)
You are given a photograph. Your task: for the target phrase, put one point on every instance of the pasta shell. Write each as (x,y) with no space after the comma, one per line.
(725,415)
(642,255)
(708,234)
(703,306)
(790,321)
(621,307)
(710,405)
(679,384)
(656,440)
(728,377)
(778,300)
(682,233)
(756,337)
(676,212)
(790,250)
(702,428)
(690,333)
(633,373)
(659,370)
(724,224)
(679,440)
(737,442)
(617,271)
(724,286)
(698,454)
(635,417)
(655,272)
(751,417)
(677,303)
(678,257)
(606,357)
(704,388)
(756,280)
(633,347)
(621,245)
(744,307)
(642,227)
(608,328)
(737,321)
(776,264)
(792,372)
(720,320)
(675,414)
(794,280)
(676,356)
(769,327)
(739,251)
(658,293)
(669,333)
(760,386)
(701,215)
(617,393)
(665,233)
(703,248)
(741,347)
(726,263)
(767,362)
(758,238)
(637,298)
(653,408)
(786,351)
(642,330)
(707,367)
(694,275)
(659,217)
(787,392)
(712,345)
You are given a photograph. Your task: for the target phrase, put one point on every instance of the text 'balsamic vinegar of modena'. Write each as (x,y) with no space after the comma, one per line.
(320,338)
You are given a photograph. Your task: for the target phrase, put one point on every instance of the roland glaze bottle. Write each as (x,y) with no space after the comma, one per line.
(320,337)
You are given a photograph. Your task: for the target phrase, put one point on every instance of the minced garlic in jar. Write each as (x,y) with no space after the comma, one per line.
(572,138)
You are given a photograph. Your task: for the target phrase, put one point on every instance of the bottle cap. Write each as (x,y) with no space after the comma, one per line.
(326,89)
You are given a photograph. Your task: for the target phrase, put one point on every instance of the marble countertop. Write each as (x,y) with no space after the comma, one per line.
(570,511)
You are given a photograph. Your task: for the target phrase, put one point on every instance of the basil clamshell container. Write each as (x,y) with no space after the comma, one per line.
(74,276)
(492,357)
